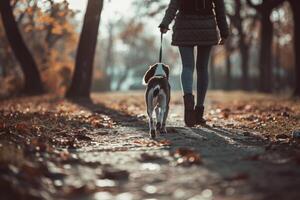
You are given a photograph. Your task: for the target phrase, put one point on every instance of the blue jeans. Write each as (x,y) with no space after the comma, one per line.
(188,66)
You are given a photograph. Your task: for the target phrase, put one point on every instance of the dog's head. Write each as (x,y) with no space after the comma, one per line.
(158,69)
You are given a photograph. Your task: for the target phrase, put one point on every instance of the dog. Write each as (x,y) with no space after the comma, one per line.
(158,94)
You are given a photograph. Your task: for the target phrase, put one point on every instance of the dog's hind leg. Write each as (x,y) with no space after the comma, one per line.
(165,116)
(158,119)
(151,122)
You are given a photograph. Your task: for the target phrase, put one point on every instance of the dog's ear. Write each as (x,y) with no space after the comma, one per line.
(167,70)
(149,74)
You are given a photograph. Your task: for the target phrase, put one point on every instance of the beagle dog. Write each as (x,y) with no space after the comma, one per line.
(157,97)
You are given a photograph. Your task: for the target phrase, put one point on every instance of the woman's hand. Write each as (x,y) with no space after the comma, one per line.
(163,30)
(222,41)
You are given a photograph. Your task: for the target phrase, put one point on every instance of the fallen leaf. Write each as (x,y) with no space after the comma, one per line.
(22,127)
(115,174)
(83,137)
(30,170)
(238,177)
(73,191)
(253,157)
(187,157)
(165,143)
(2,125)
(282,136)
(145,157)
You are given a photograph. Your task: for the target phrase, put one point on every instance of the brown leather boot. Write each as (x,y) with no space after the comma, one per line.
(199,111)
(189,114)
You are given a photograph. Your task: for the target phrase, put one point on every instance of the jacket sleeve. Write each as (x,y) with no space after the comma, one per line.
(170,14)
(221,18)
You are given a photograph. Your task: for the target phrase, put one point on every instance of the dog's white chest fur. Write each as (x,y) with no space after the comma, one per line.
(160,70)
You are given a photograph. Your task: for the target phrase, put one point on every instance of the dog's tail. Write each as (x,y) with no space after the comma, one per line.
(156,91)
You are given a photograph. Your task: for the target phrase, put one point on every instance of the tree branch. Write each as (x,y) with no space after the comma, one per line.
(273,3)
(254,6)
(14,4)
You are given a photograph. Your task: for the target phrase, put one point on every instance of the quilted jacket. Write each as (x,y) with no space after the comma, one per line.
(196,26)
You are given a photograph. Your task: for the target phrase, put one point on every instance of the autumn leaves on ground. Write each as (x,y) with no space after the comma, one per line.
(52,148)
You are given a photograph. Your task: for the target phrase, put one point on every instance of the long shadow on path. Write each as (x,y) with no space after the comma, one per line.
(116,115)
(233,157)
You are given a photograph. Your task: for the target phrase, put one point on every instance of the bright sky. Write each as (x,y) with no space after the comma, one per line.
(78,4)
(113,10)
(113,6)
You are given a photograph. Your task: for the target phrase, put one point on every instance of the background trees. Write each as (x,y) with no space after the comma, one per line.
(32,80)
(49,33)
(244,23)
(264,10)
(296,16)
(261,53)
(82,78)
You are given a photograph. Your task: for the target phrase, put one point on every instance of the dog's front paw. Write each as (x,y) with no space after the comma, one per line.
(152,134)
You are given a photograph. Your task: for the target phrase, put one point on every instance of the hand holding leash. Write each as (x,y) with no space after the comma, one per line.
(222,41)
(163,30)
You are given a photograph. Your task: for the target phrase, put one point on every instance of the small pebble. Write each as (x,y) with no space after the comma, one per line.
(246,133)
(296,134)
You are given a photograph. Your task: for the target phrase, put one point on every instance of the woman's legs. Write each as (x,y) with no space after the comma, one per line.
(188,66)
(203,55)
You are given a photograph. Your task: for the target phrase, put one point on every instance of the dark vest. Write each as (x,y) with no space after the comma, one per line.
(196,7)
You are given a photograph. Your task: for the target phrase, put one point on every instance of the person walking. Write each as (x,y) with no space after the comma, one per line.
(200,24)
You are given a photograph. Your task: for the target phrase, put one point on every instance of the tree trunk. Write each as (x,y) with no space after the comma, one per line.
(109,61)
(228,69)
(245,64)
(265,66)
(82,78)
(266,36)
(121,80)
(3,72)
(296,16)
(110,46)
(277,79)
(239,20)
(33,84)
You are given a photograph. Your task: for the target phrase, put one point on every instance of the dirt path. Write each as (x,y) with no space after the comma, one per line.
(203,163)
(234,164)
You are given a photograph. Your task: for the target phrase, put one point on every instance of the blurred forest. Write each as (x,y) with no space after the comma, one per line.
(43,45)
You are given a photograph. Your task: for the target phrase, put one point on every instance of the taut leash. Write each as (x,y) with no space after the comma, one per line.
(161,48)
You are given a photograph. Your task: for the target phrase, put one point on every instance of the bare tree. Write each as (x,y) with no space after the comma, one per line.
(229,50)
(33,82)
(244,24)
(296,15)
(82,78)
(264,10)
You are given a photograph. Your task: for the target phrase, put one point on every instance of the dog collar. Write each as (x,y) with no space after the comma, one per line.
(160,70)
